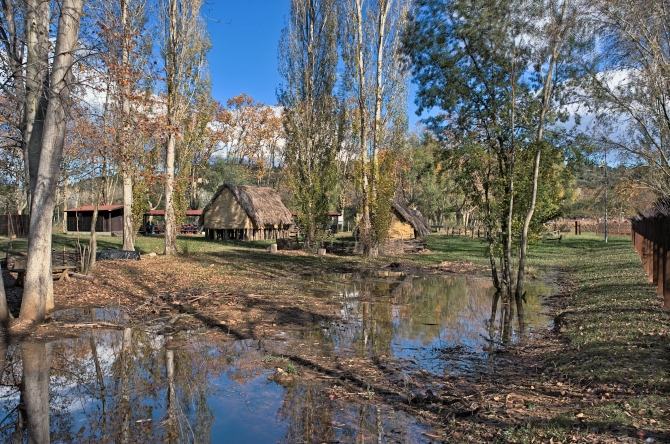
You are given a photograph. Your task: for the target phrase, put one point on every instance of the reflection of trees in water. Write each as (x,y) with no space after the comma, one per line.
(116,386)
(35,390)
(307,413)
(310,416)
(25,392)
(452,310)
(368,326)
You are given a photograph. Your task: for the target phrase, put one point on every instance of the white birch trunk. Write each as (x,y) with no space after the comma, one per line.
(128,223)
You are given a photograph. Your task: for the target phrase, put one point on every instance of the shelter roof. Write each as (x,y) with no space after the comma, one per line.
(162,213)
(92,208)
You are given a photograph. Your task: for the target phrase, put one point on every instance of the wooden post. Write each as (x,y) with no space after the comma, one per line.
(648,255)
(660,278)
(654,262)
(576,223)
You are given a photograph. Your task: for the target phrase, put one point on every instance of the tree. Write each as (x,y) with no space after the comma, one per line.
(498,71)
(251,132)
(370,39)
(184,47)
(38,287)
(308,62)
(629,85)
(423,182)
(126,77)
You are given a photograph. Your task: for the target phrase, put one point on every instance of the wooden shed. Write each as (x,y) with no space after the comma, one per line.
(406,223)
(245,213)
(110,219)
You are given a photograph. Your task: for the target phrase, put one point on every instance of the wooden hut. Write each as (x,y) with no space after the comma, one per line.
(406,223)
(245,213)
(110,219)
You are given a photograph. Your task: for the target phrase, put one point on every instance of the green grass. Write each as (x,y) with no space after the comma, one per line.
(144,244)
(615,333)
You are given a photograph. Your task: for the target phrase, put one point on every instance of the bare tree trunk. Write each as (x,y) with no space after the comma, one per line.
(93,242)
(128,223)
(365,231)
(172,98)
(170,220)
(65,204)
(490,240)
(384,7)
(510,192)
(35,387)
(5,315)
(37,83)
(38,290)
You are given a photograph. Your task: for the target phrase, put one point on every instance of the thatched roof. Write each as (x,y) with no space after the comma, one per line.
(262,205)
(412,217)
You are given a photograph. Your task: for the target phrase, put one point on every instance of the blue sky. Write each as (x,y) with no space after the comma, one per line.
(245,35)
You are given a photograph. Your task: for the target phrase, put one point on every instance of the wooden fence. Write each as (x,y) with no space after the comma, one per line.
(651,237)
(615,227)
(14,225)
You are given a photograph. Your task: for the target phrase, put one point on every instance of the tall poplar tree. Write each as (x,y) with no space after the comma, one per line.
(308,63)
(184,47)
(370,38)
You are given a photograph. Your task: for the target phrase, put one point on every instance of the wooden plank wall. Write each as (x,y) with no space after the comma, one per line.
(14,225)
(651,240)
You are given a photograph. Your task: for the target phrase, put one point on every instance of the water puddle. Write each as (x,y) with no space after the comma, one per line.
(135,385)
(113,315)
(132,386)
(439,323)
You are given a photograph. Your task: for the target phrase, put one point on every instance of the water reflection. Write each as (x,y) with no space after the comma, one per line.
(120,386)
(415,316)
(134,385)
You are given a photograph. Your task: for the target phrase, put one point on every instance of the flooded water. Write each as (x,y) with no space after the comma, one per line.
(419,318)
(134,385)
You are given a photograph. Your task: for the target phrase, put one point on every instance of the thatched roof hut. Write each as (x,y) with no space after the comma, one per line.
(245,213)
(406,223)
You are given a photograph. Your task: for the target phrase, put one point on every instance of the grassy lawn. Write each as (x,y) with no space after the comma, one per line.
(614,334)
